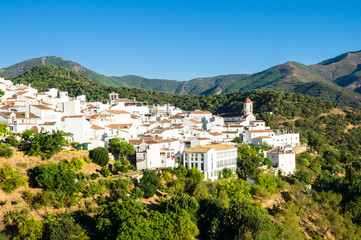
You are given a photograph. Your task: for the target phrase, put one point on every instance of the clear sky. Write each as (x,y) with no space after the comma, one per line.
(178,39)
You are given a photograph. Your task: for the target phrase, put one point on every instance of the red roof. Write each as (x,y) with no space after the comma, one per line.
(248,100)
(96,127)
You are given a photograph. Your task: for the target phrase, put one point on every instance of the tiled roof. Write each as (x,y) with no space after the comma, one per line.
(23,115)
(201,112)
(118,126)
(74,116)
(206,148)
(118,111)
(248,100)
(42,107)
(49,123)
(259,131)
(215,133)
(135,141)
(96,127)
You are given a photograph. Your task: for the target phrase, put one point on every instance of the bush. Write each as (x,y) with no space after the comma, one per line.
(11,179)
(87,159)
(100,156)
(12,140)
(76,164)
(105,172)
(136,193)
(94,176)
(6,150)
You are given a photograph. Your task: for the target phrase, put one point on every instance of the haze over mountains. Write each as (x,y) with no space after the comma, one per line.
(337,79)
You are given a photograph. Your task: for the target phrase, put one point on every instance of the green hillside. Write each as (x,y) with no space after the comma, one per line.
(343,70)
(45,77)
(331,92)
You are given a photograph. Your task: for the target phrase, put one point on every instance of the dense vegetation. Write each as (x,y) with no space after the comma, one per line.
(45,77)
(335,79)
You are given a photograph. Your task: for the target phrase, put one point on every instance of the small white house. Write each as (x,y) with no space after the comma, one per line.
(284,159)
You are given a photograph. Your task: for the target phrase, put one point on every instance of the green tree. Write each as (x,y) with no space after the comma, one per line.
(237,140)
(118,147)
(149,183)
(51,176)
(44,144)
(248,161)
(177,203)
(4,129)
(225,173)
(100,156)
(12,140)
(6,150)
(244,220)
(65,229)
(11,179)
(31,229)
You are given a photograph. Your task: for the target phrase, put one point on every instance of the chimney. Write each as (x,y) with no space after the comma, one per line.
(27,114)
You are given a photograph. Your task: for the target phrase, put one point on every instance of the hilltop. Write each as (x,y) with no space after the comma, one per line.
(336,79)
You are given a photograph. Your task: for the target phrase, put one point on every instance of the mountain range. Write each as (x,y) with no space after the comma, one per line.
(337,79)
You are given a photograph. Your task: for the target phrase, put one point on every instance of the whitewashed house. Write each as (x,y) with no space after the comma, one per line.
(284,159)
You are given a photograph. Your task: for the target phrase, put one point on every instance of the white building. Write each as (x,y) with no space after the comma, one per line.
(211,159)
(284,159)
(153,154)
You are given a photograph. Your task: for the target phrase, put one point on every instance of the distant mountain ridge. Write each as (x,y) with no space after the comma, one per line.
(340,76)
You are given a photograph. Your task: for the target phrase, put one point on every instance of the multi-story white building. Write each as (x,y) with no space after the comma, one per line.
(211,159)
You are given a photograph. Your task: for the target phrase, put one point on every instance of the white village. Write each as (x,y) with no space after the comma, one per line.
(163,136)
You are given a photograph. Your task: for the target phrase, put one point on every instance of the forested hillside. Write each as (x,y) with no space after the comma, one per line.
(46,77)
(337,79)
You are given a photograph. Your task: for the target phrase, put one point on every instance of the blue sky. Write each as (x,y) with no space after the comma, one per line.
(178,39)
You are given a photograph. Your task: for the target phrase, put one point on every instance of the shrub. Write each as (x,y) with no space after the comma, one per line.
(136,193)
(100,156)
(11,179)
(87,159)
(105,171)
(76,164)
(94,176)
(12,140)
(6,150)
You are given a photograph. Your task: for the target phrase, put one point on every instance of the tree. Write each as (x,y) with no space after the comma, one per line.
(52,177)
(149,183)
(100,156)
(11,179)
(316,142)
(178,203)
(4,129)
(248,161)
(44,144)
(237,140)
(225,173)
(118,147)
(30,229)
(194,176)
(12,140)
(65,229)
(6,150)
(244,220)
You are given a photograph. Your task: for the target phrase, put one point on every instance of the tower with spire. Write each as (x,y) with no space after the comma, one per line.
(247,107)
